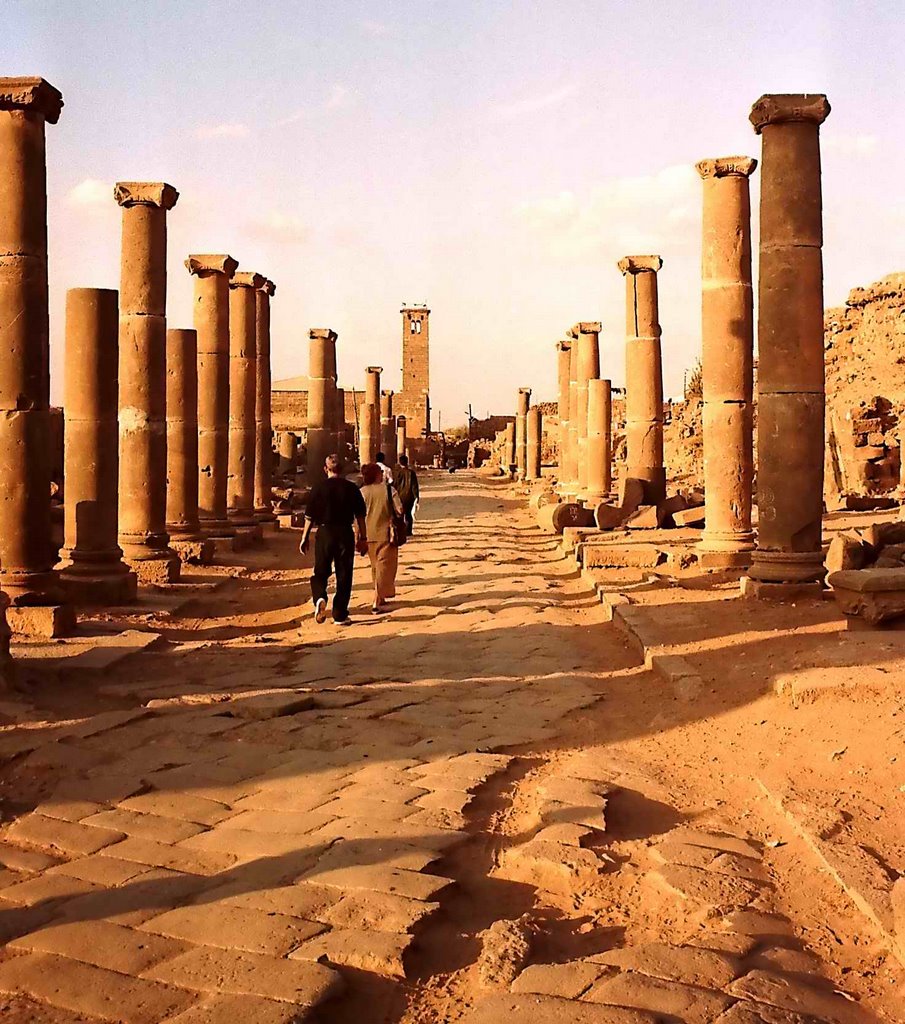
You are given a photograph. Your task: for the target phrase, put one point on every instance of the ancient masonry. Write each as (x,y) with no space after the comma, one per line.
(413,401)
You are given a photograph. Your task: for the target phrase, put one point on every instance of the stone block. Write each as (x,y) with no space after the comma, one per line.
(45,620)
(781,593)
(631,494)
(863,503)
(794,995)
(531,1008)
(237,1009)
(847,551)
(645,517)
(683,1002)
(270,705)
(180,805)
(695,516)
(65,836)
(146,826)
(553,867)
(378,912)
(377,952)
(608,517)
(599,556)
(702,967)
(566,981)
(195,552)
(875,595)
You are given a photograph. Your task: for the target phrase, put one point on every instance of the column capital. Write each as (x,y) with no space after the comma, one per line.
(639,264)
(145,193)
(780,108)
(387,393)
(267,286)
(211,263)
(322,332)
(246,279)
(565,345)
(37,94)
(373,369)
(587,327)
(726,166)
(524,391)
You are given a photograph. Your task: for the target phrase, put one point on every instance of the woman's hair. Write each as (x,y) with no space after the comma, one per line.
(371,473)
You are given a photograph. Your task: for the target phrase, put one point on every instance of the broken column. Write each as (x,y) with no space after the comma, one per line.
(369,417)
(727,332)
(521,432)
(401,440)
(587,334)
(321,400)
(240,487)
(563,365)
(533,441)
(643,378)
(288,453)
(790,372)
(387,427)
(183,525)
(91,567)
(263,422)
(142,380)
(26,549)
(211,319)
(599,445)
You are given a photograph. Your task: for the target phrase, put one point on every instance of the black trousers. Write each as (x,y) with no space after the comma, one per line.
(334,550)
(408,508)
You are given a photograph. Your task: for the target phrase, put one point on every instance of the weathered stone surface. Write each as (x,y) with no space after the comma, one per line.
(690,516)
(716,841)
(144,825)
(101,870)
(67,837)
(377,911)
(645,517)
(847,551)
(720,892)
(745,1012)
(692,966)
(686,1002)
(270,705)
(182,806)
(613,556)
(876,595)
(176,858)
(554,867)
(790,993)
(566,981)
(233,1009)
(379,952)
(505,946)
(539,1009)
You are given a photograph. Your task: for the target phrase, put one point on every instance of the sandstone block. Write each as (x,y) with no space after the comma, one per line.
(566,981)
(65,836)
(182,806)
(176,858)
(608,517)
(230,1009)
(685,1002)
(48,620)
(702,967)
(599,556)
(379,952)
(876,595)
(847,551)
(645,517)
(553,867)
(540,1009)
(791,993)
(377,911)
(146,826)
(99,870)
(695,516)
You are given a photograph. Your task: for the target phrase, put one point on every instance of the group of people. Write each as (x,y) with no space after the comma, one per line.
(374,519)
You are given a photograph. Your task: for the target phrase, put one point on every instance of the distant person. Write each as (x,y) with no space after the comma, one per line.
(381,461)
(383,505)
(406,481)
(333,506)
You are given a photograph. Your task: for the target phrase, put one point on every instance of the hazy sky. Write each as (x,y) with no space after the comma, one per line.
(492,159)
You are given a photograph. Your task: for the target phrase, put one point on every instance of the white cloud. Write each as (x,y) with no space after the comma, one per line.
(223,131)
(534,104)
(281,228)
(91,192)
(374,28)
(339,97)
(849,145)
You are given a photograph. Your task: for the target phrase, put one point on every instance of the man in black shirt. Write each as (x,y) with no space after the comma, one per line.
(333,505)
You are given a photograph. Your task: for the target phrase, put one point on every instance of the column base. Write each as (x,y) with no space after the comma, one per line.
(152,567)
(193,551)
(33,588)
(782,593)
(724,559)
(787,566)
(216,528)
(80,587)
(49,621)
(726,550)
(248,537)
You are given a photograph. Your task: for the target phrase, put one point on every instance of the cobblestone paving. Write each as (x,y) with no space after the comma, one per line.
(268,816)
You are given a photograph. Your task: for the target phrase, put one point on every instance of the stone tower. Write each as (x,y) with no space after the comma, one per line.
(414,401)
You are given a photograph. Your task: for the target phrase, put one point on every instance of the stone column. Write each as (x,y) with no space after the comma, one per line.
(211,318)
(26,549)
(509,453)
(321,400)
(521,432)
(143,380)
(183,524)
(599,443)
(401,439)
(369,426)
(572,463)
(533,439)
(91,567)
(790,371)
(643,377)
(339,423)
(727,333)
(288,452)
(240,487)
(587,334)
(387,427)
(263,423)
(563,364)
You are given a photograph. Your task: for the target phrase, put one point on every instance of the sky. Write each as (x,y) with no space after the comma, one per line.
(492,159)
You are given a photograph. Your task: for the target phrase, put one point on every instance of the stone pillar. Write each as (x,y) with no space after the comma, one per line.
(240,487)
(288,452)
(211,318)
(521,432)
(643,377)
(563,364)
(587,334)
(183,524)
(387,427)
(727,333)
(26,549)
(401,439)
(571,488)
(790,371)
(599,443)
(509,453)
(369,426)
(91,567)
(533,440)
(143,381)
(321,400)
(263,422)
(339,424)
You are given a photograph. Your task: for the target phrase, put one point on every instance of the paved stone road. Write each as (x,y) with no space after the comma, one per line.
(270,822)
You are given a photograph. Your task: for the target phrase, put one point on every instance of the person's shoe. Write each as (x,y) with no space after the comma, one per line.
(343,622)
(379,609)
(320,610)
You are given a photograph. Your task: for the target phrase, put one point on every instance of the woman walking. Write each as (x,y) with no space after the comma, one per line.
(383,506)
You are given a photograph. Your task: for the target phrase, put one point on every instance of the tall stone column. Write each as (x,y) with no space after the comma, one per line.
(599,444)
(369,425)
(509,453)
(26,549)
(401,439)
(387,427)
(587,334)
(211,319)
(727,333)
(790,370)
(563,364)
(263,422)
(288,452)
(321,399)
(572,465)
(339,423)
(143,381)
(521,432)
(643,377)
(91,567)
(240,488)
(183,524)
(533,442)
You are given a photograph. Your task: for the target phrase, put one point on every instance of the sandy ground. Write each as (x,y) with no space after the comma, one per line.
(347,815)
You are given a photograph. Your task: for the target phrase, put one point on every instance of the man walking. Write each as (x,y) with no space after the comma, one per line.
(407,489)
(333,506)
